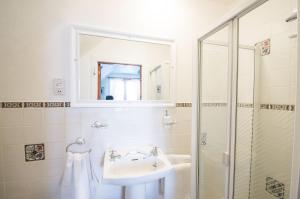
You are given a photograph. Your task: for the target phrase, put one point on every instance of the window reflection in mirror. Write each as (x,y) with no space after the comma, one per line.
(124,70)
(119,81)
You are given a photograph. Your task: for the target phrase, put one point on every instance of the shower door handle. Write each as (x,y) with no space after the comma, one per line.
(226,158)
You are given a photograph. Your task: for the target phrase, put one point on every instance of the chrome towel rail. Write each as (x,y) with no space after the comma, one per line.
(78,141)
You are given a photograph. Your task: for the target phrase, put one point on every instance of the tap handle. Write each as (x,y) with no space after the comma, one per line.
(155,151)
(112,152)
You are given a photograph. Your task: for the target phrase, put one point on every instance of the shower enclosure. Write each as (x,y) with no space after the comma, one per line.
(247,129)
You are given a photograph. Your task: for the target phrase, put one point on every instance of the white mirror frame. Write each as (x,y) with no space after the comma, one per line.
(77,30)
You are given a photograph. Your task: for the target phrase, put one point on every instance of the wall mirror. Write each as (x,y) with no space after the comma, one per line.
(119,69)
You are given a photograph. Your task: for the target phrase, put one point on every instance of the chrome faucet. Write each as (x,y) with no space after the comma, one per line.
(154,151)
(113,156)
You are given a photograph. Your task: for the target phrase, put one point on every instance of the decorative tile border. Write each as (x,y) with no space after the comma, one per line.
(11,105)
(34,152)
(214,104)
(183,104)
(35,104)
(279,107)
(245,105)
(67,104)
(54,104)
(241,105)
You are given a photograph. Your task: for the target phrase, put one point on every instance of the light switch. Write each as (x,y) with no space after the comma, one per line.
(59,87)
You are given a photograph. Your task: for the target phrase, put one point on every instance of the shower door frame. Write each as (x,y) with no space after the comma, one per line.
(295,181)
(228,24)
(232,21)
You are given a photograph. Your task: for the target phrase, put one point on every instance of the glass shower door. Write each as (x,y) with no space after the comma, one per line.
(214,111)
(266,102)
(247,103)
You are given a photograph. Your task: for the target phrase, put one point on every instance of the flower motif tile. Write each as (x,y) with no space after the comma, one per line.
(34,152)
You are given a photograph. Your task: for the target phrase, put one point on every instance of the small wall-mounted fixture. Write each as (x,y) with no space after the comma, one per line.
(78,141)
(58,87)
(203,138)
(293,16)
(97,124)
(167,119)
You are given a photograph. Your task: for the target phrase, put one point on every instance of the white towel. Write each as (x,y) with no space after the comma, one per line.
(78,178)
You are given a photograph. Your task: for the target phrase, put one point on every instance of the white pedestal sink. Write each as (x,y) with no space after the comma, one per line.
(133,168)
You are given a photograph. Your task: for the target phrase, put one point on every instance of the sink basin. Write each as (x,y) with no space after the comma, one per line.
(135,166)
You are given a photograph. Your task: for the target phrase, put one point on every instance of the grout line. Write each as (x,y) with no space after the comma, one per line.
(2,172)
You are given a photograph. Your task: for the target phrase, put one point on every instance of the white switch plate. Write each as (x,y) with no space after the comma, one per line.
(203,138)
(59,86)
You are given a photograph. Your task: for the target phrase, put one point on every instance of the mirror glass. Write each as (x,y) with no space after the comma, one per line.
(124,70)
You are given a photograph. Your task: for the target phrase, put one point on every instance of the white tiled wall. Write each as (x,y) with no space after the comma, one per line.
(272,151)
(58,126)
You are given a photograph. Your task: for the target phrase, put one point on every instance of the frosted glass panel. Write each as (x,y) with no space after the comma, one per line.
(266,102)
(213,115)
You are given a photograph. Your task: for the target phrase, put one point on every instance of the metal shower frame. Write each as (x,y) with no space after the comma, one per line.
(232,22)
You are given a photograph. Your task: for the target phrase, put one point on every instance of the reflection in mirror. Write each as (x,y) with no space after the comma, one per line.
(119,81)
(124,70)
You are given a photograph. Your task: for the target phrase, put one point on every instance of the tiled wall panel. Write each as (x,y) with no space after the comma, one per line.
(56,127)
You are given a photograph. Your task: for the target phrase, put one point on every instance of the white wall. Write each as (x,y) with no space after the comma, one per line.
(35,42)
(36,39)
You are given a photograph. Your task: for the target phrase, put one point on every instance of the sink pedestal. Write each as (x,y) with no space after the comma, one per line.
(137,191)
